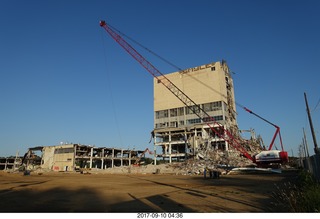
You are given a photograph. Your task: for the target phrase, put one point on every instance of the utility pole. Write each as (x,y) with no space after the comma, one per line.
(316,149)
(305,142)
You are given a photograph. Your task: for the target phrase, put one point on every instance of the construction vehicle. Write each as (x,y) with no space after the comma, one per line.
(266,157)
(138,161)
(217,128)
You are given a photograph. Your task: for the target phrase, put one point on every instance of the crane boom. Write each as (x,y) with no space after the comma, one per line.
(161,78)
(275,134)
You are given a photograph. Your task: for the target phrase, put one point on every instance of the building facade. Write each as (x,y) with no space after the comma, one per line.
(178,132)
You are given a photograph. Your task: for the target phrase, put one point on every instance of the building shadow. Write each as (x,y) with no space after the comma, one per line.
(21,196)
(84,200)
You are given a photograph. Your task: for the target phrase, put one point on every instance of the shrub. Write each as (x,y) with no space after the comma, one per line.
(302,195)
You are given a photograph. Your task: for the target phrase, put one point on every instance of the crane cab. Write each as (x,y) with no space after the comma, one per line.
(271,157)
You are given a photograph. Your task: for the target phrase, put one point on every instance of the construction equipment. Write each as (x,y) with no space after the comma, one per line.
(216,127)
(253,134)
(137,162)
(270,156)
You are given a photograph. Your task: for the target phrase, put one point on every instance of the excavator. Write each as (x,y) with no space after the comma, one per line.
(262,159)
(137,162)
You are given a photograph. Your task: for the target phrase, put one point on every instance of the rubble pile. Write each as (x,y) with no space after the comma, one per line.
(219,161)
(222,161)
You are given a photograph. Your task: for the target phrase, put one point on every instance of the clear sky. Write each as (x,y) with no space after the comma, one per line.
(64,79)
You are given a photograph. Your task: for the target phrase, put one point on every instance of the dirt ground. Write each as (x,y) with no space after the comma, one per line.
(98,192)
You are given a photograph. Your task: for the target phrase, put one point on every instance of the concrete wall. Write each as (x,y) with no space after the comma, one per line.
(203,84)
(47,157)
(58,158)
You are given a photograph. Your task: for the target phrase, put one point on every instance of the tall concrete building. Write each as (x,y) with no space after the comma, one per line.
(178,132)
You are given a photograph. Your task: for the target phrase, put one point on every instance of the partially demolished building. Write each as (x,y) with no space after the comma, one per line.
(10,163)
(70,157)
(178,132)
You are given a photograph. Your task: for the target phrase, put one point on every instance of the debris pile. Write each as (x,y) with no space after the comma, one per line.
(205,159)
(209,158)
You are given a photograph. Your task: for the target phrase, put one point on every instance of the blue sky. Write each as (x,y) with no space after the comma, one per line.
(63,78)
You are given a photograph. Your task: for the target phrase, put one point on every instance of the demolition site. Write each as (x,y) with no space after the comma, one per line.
(195,137)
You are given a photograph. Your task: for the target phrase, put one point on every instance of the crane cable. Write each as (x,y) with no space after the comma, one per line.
(169,63)
(317,105)
(111,93)
(147,49)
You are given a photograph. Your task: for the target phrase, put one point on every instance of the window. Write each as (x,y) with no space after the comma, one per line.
(218,118)
(208,119)
(207,107)
(173,124)
(193,121)
(213,118)
(63,150)
(213,106)
(181,111)
(217,106)
(173,112)
(161,114)
(192,109)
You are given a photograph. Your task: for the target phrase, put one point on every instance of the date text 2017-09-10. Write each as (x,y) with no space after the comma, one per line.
(159,215)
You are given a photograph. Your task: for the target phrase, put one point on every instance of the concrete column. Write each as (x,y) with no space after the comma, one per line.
(91,155)
(112,158)
(102,159)
(74,156)
(170,158)
(224,116)
(129,158)
(154,155)
(195,142)
(121,157)
(226,143)
(28,156)
(186,144)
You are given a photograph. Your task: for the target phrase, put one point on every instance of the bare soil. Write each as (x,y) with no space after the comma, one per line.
(75,192)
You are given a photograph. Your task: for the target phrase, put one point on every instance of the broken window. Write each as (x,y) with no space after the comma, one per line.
(63,150)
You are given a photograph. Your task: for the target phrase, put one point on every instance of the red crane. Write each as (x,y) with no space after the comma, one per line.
(271,156)
(216,127)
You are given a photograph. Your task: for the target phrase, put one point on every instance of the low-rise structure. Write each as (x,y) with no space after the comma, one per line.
(10,163)
(70,157)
